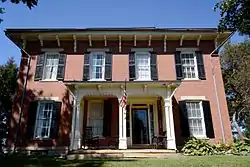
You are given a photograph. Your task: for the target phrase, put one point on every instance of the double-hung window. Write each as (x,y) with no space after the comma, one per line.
(51,66)
(97,62)
(196,118)
(43,121)
(142,62)
(189,65)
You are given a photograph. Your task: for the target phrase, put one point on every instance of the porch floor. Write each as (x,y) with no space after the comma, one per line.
(129,153)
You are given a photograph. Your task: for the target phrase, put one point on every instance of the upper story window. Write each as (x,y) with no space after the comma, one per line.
(97,66)
(50,66)
(143,65)
(142,61)
(97,70)
(189,64)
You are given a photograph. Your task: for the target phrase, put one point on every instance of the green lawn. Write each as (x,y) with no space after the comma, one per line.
(206,161)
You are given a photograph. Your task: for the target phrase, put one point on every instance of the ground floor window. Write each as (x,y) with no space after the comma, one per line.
(95,119)
(195,118)
(44,119)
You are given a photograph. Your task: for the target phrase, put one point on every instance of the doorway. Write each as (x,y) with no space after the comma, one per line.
(140,126)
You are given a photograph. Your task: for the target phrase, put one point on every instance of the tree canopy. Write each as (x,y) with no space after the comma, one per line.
(235,60)
(235,15)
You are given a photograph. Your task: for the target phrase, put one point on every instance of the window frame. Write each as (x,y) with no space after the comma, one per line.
(91,55)
(195,65)
(90,104)
(44,66)
(202,119)
(36,121)
(136,65)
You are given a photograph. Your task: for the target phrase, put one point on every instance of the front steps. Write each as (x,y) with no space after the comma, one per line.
(123,154)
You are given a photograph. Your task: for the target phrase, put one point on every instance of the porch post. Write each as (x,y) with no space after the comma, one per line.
(77,134)
(171,143)
(122,128)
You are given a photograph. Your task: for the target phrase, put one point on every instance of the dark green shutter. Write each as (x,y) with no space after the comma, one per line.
(86,67)
(153,66)
(31,119)
(108,66)
(107,111)
(61,66)
(55,122)
(178,66)
(132,66)
(200,65)
(184,119)
(39,67)
(208,119)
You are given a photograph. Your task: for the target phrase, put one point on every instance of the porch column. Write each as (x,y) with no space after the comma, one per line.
(122,128)
(171,143)
(77,134)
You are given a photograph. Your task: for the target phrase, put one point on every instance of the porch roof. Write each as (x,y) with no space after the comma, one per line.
(109,84)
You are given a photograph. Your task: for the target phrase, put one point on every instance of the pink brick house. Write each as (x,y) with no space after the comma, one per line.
(77,76)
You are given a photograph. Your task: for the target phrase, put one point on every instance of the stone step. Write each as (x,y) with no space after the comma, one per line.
(143,153)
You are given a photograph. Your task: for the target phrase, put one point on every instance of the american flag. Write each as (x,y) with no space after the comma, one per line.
(123,102)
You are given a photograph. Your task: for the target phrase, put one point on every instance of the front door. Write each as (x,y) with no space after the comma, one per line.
(140,126)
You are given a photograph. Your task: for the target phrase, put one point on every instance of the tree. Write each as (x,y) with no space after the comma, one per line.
(235,60)
(29,3)
(8,84)
(235,15)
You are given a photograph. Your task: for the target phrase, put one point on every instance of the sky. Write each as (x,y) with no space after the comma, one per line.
(106,13)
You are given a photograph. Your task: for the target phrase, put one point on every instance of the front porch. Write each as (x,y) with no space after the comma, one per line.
(147,122)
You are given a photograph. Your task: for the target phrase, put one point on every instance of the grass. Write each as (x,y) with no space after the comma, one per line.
(205,161)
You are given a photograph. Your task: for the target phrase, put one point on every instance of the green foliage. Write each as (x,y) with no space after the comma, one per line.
(235,60)
(235,15)
(198,147)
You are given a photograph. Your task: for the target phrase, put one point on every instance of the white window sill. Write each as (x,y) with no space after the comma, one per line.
(201,137)
(191,79)
(49,80)
(41,138)
(96,80)
(143,80)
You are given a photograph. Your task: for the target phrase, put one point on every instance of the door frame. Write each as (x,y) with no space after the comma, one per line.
(148,102)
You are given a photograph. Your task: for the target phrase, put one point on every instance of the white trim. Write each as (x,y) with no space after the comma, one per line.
(52,50)
(91,65)
(195,98)
(90,103)
(44,66)
(187,49)
(136,66)
(37,114)
(203,136)
(141,49)
(98,49)
(195,64)
(48,98)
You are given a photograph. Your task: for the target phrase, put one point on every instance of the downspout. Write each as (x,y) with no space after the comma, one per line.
(215,86)
(23,95)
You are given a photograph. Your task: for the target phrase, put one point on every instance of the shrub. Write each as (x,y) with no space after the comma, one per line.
(197,147)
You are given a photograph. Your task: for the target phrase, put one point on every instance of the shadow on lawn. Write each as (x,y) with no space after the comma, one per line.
(24,161)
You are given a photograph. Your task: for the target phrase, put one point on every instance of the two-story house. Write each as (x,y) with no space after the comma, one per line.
(77,77)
